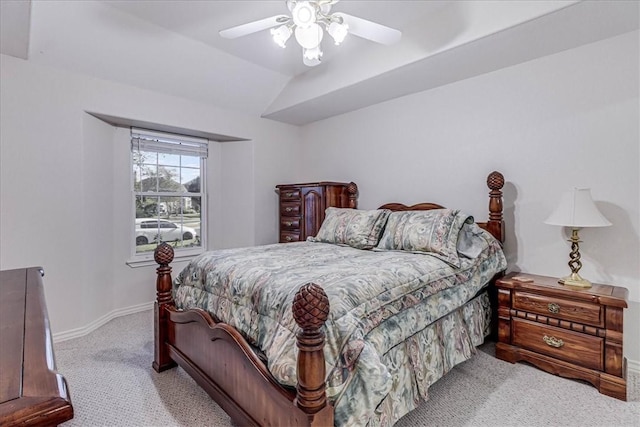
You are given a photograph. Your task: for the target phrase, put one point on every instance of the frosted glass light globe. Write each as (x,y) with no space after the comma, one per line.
(338,32)
(281,35)
(309,37)
(304,14)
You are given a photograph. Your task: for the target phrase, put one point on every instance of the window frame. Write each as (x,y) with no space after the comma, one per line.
(138,259)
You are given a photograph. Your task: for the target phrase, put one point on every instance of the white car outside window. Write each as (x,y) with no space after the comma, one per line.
(150,230)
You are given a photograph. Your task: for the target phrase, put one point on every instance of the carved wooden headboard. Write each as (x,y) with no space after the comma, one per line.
(495,224)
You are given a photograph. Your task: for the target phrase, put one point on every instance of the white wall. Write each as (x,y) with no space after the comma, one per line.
(64,184)
(239,170)
(570,119)
(95,199)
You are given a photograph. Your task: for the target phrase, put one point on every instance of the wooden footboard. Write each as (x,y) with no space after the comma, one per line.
(225,366)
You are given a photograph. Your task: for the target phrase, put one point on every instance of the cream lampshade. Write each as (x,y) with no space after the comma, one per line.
(576,210)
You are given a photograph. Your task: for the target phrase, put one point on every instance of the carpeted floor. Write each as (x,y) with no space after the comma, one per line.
(112,384)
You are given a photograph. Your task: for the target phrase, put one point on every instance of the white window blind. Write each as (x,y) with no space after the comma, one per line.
(145,140)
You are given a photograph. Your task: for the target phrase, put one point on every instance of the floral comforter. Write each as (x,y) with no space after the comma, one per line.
(381,303)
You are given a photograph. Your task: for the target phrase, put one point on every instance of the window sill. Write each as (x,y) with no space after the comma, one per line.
(146,262)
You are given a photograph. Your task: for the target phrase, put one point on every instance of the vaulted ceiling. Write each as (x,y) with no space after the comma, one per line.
(174,47)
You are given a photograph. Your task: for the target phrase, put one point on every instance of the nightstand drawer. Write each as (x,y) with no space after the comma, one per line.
(580,349)
(560,308)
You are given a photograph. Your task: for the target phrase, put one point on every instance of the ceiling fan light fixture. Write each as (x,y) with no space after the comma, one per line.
(281,34)
(308,21)
(309,37)
(304,14)
(338,31)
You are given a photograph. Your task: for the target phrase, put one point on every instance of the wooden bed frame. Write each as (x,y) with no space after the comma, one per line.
(224,364)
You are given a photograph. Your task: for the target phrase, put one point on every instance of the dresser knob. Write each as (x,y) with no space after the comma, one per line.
(288,194)
(288,223)
(288,209)
(553,308)
(288,238)
(553,341)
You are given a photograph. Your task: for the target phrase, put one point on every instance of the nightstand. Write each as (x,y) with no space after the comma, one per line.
(571,332)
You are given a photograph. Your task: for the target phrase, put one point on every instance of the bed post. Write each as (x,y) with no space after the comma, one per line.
(163,255)
(310,311)
(495,225)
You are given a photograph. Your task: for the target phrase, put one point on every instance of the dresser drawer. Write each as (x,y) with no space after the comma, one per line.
(290,223)
(560,308)
(289,194)
(290,209)
(581,349)
(289,236)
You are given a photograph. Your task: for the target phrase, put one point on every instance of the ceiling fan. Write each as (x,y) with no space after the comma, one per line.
(308,22)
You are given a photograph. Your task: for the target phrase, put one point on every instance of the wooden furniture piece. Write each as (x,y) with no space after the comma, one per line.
(302,206)
(224,364)
(571,332)
(32,393)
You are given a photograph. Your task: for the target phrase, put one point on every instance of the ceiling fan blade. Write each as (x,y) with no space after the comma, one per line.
(253,27)
(370,30)
(325,5)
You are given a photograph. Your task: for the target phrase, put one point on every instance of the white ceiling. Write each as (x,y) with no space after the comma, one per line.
(201,20)
(174,47)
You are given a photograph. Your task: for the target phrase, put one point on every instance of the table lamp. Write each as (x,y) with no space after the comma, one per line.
(576,210)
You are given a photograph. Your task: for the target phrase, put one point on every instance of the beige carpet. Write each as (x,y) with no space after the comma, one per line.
(112,384)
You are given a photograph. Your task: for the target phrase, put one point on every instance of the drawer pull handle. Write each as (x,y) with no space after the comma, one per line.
(288,238)
(288,223)
(288,209)
(553,341)
(553,307)
(288,194)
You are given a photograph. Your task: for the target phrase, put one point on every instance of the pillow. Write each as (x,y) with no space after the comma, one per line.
(434,231)
(359,229)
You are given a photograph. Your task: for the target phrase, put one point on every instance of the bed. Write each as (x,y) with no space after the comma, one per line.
(348,328)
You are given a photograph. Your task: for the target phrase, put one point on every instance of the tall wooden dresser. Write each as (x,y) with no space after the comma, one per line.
(302,206)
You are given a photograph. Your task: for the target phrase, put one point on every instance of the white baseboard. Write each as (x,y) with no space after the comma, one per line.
(633,366)
(80,332)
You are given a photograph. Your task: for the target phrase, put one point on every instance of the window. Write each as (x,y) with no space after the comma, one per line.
(169,197)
